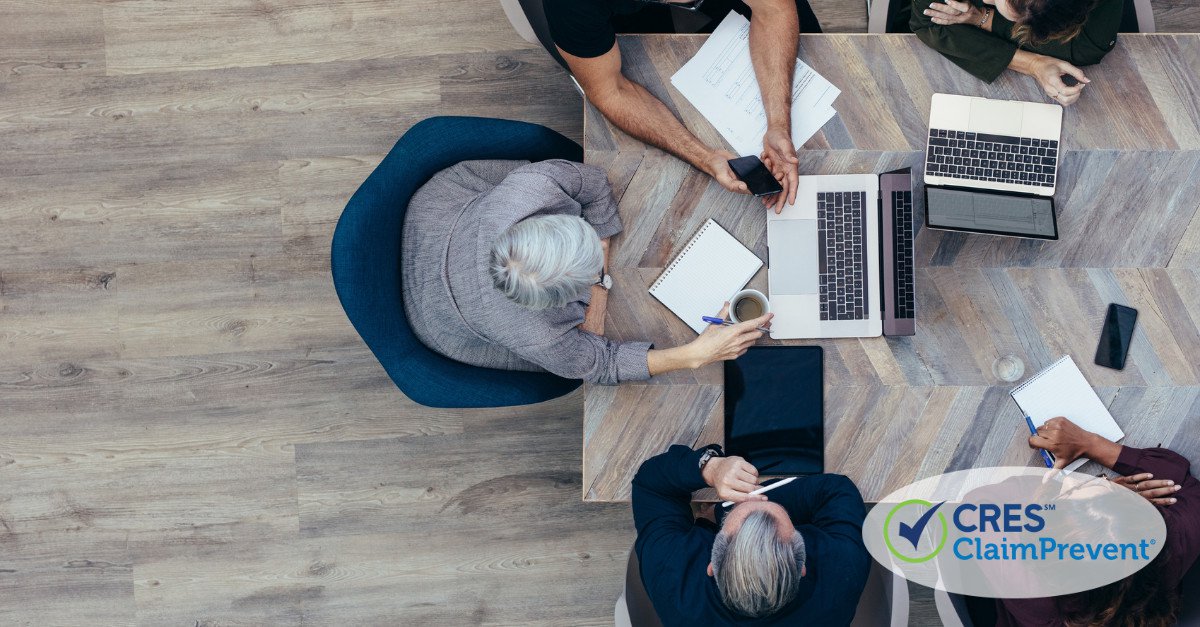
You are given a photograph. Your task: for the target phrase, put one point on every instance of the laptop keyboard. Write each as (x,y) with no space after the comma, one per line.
(902,253)
(992,158)
(841,229)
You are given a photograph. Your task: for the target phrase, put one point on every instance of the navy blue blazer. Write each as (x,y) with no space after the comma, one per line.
(674,552)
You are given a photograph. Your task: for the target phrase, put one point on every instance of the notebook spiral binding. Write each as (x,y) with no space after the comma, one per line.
(683,253)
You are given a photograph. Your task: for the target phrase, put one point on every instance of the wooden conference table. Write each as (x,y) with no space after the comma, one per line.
(899,409)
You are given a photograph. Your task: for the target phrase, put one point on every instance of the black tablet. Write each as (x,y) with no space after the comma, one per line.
(775,409)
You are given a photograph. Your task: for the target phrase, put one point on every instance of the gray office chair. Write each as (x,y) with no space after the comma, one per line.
(633,606)
(528,18)
(884,600)
(1139,17)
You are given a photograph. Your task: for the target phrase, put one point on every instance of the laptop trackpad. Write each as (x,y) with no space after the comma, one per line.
(998,117)
(793,246)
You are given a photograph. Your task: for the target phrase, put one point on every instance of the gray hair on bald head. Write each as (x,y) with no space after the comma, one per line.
(757,571)
(546,261)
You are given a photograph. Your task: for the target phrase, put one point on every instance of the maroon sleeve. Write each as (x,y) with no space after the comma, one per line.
(1183,517)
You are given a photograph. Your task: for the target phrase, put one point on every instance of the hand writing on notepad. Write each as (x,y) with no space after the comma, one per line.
(1067,442)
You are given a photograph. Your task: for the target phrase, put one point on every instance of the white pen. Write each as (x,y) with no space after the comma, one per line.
(765,488)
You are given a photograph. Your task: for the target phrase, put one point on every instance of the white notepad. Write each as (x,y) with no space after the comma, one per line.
(1061,390)
(711,268)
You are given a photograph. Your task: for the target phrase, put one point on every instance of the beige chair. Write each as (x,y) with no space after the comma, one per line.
(884,600)
(528,18)
(878,10)
(633,606)
(520,23)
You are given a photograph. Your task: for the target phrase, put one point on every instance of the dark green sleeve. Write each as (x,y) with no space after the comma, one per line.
(983,54)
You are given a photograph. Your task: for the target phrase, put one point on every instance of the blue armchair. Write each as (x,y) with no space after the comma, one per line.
(366,260)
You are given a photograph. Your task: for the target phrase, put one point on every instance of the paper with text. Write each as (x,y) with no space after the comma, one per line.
(719,81)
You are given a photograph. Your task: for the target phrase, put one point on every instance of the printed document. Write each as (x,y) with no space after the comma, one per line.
(719,81)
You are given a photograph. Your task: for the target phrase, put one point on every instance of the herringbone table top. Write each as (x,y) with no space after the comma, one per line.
(899,409)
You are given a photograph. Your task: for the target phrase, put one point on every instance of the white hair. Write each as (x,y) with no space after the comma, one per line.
(546,261)
(757,571)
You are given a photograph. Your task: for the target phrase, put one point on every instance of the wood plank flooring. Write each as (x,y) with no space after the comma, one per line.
(190,431)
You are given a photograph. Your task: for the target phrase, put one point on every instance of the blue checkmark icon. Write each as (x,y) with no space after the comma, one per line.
(913,533)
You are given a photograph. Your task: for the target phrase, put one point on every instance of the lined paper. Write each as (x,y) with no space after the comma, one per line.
(712,267)
(1062,390)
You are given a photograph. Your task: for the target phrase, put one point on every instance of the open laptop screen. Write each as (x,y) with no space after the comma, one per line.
(994,213)
(774,409)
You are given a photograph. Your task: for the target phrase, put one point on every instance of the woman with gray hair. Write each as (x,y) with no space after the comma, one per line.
(505,266)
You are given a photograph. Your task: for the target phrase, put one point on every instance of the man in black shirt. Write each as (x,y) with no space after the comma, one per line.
(585,34)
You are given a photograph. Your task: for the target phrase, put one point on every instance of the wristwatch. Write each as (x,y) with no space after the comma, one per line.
(709,453)
(605,280)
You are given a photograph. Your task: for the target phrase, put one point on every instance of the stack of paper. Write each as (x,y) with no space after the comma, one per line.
(719,81)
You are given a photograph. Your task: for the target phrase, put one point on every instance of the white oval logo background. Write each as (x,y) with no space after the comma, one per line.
(1014,532)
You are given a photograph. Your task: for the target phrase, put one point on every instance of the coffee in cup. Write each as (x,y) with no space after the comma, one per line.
(748,305)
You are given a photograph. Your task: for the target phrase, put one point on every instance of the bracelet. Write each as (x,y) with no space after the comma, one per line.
(987,15)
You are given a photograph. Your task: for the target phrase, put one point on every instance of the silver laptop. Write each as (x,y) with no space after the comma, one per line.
(830,253)
(1001,145)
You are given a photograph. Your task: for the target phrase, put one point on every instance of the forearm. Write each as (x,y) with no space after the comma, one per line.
(663,486)
(593,317)
(641,115)
(1102,451)
(1024,62)
(773,41)
(665,360)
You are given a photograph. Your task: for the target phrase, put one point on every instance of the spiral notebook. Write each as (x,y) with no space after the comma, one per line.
(1061,390)
(712,267)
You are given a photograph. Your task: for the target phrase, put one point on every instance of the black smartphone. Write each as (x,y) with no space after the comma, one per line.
(755,175)
(1115,336)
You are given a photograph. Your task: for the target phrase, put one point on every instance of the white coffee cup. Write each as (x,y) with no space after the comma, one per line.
(758,301)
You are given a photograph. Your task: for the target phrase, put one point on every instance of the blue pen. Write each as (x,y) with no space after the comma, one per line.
(722,321)
(1045,455)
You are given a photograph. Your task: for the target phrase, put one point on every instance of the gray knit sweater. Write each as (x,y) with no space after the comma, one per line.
(452,305)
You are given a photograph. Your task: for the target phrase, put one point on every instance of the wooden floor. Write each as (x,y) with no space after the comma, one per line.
(190,430)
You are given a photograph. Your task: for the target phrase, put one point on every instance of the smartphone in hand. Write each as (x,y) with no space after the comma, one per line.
(755,175)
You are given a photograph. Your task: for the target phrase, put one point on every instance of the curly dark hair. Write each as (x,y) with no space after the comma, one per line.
(1139,600)
(1043,21)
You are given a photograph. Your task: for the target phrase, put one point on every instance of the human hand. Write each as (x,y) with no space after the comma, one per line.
(1064,439)
(1048,72)
(779,155)
(1157,491)
(717,166)
(954,12)
(723,342)
(733,477)
(593,315)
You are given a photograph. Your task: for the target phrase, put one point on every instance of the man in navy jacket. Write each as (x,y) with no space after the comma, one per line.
(794,555)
